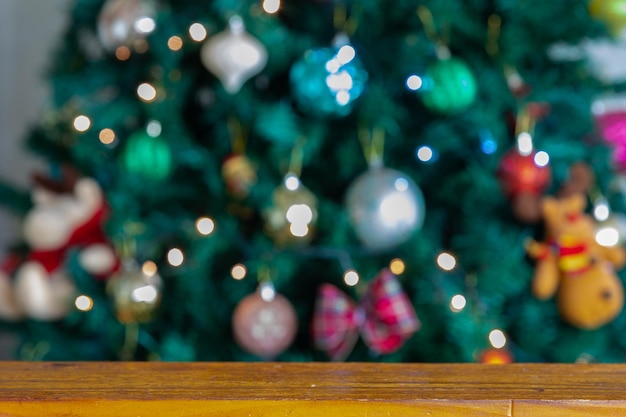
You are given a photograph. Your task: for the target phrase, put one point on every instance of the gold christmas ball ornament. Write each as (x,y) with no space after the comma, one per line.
(136,292)
(292,216)
(610,12)
(264,323)
(239,175)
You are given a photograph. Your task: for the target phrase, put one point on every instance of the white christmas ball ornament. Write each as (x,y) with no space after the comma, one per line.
(385,208)
(124,22)
(233,55)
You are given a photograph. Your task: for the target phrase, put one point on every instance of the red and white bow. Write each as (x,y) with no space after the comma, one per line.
(384,317)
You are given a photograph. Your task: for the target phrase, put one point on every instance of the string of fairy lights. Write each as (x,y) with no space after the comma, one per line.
(205,226)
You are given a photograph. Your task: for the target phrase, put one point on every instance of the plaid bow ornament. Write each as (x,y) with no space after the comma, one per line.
(385,318)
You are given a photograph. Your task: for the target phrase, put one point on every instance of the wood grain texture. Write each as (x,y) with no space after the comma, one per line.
(309,389)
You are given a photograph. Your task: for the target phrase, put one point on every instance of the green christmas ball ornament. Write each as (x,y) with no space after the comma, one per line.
(147,155)
(449,86)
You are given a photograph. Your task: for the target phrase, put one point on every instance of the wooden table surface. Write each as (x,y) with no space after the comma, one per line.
(309,389)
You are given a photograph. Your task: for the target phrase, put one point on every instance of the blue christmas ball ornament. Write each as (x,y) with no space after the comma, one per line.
(326,82)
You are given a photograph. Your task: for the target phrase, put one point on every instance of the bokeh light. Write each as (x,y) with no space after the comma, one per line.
(446,261)
(82,123)
(175,257)
(83,303)
(197,32)
(238,271)
(205,226)
(351,277)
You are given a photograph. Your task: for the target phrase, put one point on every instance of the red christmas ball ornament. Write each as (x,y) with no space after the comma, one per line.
(524,173)
(496,356)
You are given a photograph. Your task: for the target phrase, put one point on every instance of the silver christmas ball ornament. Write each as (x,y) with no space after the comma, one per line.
(292,216)
(125,22)
(385,208)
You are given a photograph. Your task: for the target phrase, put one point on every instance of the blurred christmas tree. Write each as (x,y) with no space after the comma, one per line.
(216,166)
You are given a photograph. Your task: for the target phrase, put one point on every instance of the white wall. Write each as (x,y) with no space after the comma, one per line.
(29,31)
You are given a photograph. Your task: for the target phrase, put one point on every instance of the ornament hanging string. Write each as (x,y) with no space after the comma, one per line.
(430,30)
(428,22)
(528,116)
(266,284)
(494,26)
(525,122)
(342,22)
(373,145)
(238,137)
(264,274)
(126,246)
(492,47)
(131,340)
(127,250)
(297,156)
